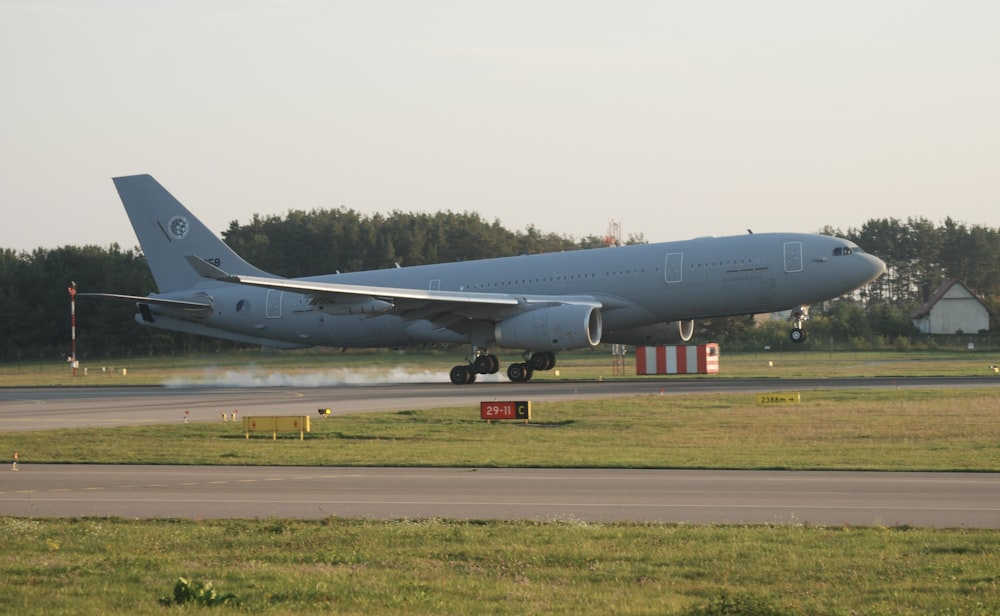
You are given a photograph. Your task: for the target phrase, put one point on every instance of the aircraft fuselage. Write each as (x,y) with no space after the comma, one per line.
(637,285)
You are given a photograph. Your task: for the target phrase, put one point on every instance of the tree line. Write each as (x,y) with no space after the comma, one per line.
(34,298)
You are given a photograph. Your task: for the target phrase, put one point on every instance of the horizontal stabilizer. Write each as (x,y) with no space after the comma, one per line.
(200,329)
(158,301)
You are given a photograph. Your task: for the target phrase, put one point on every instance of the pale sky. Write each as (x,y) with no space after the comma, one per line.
(676,119)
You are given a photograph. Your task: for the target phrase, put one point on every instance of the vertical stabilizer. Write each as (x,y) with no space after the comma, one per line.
(169,233)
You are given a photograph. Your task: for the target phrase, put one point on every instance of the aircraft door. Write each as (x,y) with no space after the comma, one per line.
(273,304)
(793,257)
(673,270)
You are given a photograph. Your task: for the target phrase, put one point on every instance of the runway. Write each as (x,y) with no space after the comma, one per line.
(39,408)
(593,495)
(598,495)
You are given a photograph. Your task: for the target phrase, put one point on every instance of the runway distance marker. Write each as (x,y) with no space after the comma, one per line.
(781,398)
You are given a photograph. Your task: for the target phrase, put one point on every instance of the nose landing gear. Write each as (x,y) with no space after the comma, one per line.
(799,315)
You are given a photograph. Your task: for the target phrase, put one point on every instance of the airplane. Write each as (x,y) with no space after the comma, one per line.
(645,294)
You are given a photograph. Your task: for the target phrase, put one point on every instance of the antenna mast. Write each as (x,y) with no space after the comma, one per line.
(614,236)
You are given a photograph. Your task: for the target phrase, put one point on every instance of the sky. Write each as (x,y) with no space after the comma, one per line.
(674,119)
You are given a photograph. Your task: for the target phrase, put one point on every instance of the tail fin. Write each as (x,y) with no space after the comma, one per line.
(169,233)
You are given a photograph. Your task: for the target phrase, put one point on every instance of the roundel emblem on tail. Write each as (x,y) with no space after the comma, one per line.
(178,227)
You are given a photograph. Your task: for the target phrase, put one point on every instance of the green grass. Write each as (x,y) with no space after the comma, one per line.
(902,430)
(116,566)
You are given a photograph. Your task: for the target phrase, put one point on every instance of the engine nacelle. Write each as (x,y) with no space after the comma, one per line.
(671,332)
(556,328)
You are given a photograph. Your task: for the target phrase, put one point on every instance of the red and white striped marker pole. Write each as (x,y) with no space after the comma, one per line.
(72,325)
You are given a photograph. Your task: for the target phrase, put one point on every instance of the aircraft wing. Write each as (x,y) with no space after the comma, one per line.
(320,289)
(348,292)
(411,304)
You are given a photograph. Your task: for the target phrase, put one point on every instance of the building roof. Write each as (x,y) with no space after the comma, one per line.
(939,294)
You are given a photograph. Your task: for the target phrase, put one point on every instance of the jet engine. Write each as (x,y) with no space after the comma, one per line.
(671,332)
(555,328)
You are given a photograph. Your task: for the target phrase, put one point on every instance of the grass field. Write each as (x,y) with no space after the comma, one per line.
(334,566)
(117,566)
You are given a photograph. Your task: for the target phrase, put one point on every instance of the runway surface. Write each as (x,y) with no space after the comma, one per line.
(696,497)
(38,408)
(891,499)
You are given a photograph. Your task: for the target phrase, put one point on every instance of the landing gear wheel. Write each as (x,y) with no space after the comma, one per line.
(483,364)
(519,373)
(462,375)
(543,360)
(798,335)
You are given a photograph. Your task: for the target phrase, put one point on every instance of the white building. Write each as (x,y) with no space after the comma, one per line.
(952,308)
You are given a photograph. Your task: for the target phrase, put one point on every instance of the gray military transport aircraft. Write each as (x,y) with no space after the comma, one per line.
(539,304)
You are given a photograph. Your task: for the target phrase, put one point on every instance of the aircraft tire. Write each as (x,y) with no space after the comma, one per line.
(461,375)
(542,360)
(484,363)
(518,373)
(798,335)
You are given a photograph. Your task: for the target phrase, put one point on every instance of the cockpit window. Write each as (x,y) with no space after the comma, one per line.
(842,250)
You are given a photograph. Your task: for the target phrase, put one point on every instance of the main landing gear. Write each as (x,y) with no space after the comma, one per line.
(799,315)
(485,363)
(522,372)
(482,363)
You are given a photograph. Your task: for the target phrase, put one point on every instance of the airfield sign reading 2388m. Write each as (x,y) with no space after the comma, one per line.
(505,410)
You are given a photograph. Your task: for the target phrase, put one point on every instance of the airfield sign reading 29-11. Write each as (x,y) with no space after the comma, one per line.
(505,410)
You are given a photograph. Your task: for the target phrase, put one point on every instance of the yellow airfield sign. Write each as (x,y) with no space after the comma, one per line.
(277,423)
(780,398)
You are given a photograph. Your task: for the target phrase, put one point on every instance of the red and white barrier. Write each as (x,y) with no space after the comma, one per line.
(678,359)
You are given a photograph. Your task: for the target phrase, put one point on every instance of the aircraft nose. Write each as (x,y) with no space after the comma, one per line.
(877,266)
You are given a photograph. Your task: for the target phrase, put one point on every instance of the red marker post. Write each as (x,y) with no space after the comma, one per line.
(72,325)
